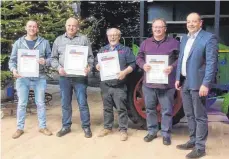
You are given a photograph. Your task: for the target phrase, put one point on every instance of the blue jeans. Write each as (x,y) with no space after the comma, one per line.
(67,85)
(23,86)
(164,97)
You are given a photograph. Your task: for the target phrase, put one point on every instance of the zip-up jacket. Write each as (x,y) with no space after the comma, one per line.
(44,52)
(126,58)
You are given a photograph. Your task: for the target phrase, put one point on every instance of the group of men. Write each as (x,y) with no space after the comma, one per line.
(191,69)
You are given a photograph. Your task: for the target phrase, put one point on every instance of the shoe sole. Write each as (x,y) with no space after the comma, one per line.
(88,136)
(62,134)
(104,135)
(196,157)
(18,136)
(150,139)
(184,148)
(46,134)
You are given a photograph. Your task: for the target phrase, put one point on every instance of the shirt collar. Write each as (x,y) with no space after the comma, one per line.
(66,35)
(115,48)
(161,41)
(194,35)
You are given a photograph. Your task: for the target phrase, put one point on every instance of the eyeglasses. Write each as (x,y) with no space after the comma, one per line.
(158,27)
(113,35)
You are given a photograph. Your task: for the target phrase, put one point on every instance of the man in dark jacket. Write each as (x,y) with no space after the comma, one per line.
(114,92)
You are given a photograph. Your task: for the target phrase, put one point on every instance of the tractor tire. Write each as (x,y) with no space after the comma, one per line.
(135,98)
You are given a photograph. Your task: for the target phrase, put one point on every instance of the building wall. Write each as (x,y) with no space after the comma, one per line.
(177,11)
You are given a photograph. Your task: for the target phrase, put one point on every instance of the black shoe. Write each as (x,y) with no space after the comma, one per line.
(149,137)
(196,153)
(166,141)
(186,146)
(87,132)
(63,132)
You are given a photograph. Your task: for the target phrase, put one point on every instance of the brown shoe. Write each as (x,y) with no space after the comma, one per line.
(17,134)
(45,131)
(104,132)
(123,135)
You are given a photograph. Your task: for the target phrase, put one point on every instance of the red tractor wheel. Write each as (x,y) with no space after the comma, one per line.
(137,106)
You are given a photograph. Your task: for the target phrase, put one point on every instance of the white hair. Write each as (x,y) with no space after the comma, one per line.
(115,29)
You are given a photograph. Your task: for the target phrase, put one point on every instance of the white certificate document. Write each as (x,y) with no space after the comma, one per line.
(75,60)
(109,65)
(28,65)
(156,74)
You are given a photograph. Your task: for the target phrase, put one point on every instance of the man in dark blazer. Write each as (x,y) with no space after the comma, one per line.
(196,71)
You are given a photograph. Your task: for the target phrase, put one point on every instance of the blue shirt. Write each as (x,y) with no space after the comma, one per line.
(31,43)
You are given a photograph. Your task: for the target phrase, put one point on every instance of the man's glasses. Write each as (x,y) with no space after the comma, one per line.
(158,27)
(113,35)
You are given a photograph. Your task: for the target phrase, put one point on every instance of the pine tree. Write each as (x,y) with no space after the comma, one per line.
(50,15)
(13,16)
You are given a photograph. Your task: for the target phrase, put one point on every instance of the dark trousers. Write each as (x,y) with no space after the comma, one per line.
(165,97)
(114,97)
(196,114)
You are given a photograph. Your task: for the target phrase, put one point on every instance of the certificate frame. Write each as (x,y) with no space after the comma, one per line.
(27,61)
(109,65)
(158,63)
(75,59)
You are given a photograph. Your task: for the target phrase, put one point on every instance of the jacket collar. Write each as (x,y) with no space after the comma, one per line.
(117,47)
(38,41)
(194,35)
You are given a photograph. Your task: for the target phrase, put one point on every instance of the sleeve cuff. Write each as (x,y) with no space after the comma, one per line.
(206,84)
(59,67)
(11,69)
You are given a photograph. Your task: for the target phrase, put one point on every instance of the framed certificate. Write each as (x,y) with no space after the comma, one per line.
(75,60)
(158,63)
(28,65)
(109,65)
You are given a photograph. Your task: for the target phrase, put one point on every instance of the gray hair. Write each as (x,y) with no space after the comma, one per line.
(160,19)
(116,30)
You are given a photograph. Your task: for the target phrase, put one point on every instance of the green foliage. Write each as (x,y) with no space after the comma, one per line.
(223,47)
(3,57)
(6,78)
(225,104)
(13,16)
(52,18)
(135,49)
(50,15)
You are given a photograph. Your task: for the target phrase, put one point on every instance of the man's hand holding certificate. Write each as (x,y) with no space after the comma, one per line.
(109,65)
(75,61)
(155,69)
(28,65)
